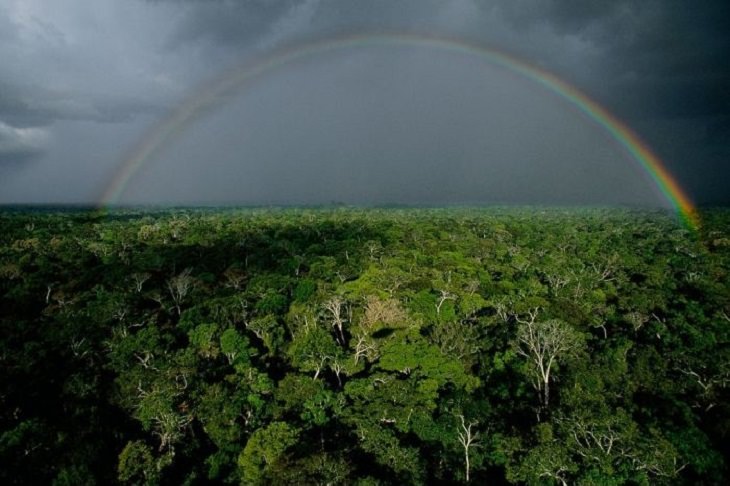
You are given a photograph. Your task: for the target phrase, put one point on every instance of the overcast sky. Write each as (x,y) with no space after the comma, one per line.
(84,81)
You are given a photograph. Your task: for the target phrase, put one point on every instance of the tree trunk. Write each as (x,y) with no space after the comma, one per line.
(466,455)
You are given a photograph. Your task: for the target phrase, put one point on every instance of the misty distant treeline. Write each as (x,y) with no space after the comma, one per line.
(346,346)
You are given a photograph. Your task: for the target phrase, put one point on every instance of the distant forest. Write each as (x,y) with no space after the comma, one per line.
(364,346)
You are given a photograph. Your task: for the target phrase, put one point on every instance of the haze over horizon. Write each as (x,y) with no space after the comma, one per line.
(85,82)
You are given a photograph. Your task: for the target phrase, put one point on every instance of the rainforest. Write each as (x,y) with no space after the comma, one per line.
(368,346)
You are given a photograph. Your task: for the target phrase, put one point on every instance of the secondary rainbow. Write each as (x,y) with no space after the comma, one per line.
(209,95)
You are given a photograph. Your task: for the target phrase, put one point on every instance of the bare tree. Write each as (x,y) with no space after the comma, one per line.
(543,343)
(373,248)
(606,271)
(364,348)
(79,347)
(318,368)
(557,281)
(468,438)
(637,319)
(336,307)
(383,311)
(708,381)
(235,278)
(145,360)
(179,287)
(502,310)
(445,295)
(169,427)
(337,367)
(594,440)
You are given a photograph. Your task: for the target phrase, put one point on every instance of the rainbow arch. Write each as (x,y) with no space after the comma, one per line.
(205,98)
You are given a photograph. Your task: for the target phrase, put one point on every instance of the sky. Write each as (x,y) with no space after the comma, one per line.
(84,84)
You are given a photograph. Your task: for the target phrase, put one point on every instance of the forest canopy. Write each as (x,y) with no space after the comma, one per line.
(364,346)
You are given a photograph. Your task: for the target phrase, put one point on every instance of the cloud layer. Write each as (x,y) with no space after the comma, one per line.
(18,144)
(115,68)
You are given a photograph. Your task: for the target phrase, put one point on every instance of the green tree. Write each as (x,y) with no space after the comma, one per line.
(264,449)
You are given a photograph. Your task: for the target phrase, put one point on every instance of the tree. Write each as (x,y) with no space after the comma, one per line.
(138,465)
(468,438)
(139,279)
(311,350)
(215,384)
(549,461)
(179,286)
(444,295)
(234,345)
(544,343)
(264,448)
(336,307)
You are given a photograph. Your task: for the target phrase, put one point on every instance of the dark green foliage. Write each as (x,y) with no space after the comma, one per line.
(352,346)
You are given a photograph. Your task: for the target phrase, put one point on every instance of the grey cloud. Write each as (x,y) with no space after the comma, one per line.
(247,23)
(76,67)
(657,97)
(20,144)
(8,30)
(227,23)
(659,65)
(656,50)
(565,16)
(384,125)
(669,58)
(32,105)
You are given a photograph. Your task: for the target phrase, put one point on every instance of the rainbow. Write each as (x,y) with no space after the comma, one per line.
(209,95)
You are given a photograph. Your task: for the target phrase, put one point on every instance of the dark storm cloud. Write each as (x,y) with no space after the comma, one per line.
(659,65)
(73,72)
(252,23)
(227,23)
(652,58)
